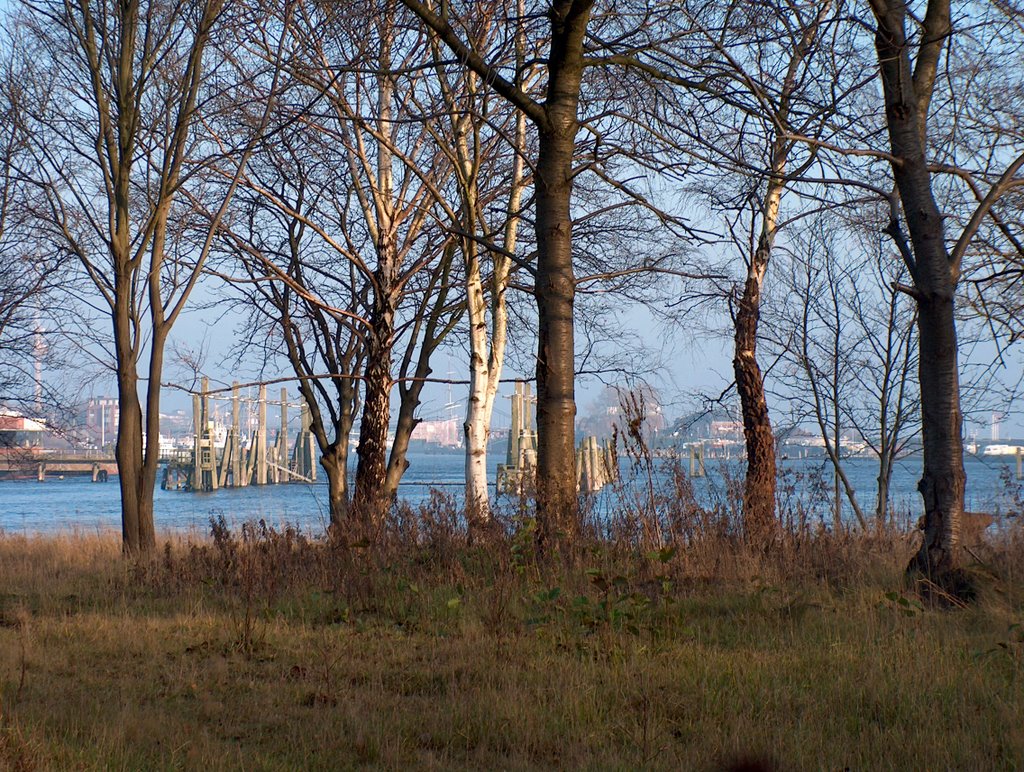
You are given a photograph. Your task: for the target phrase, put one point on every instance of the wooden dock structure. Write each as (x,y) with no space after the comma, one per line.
(596,462)
(40,466)
(239,463)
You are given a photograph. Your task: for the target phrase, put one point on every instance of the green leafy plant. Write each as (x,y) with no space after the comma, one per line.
(909,607)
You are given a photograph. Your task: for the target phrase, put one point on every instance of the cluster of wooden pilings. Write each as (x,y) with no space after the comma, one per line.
(239,464)
(521,456)
(596,463)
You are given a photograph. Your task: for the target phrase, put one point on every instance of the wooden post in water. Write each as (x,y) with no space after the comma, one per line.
(197,428)
(527,419)
(528,438)
(516,428)
(611,462)
(589,479)
(697,460)
(282,441)
(261,439)
(594,467)
(1020,463)
(305,455)
(238,480)
(210,452)
(204,461)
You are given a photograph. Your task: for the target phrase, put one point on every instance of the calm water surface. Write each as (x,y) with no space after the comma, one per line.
(76,504)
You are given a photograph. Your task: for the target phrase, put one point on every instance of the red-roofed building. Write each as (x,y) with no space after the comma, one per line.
(18,432)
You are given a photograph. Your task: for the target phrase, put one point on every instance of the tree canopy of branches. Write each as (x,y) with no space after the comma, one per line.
(119,90)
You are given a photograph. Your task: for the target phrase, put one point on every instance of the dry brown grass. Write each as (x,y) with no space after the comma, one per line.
(272,650)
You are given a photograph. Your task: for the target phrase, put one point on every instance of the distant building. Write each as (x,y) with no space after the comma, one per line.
(726,430)
(98,420)
(997,425)
(19,432)
(719,423)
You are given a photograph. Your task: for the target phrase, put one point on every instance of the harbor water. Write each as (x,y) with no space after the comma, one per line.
(76,504)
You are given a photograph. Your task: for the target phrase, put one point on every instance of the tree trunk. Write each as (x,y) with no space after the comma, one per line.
(484,374)
(882,500)
(557,123)
(555,292)
(335,463)
(128,449)
(556,282)
(151,457)
(398,461)
(370,501)
(760,525)
(943,481)
(759,522)
(908,93)
(477,431)
(128,452)
(476,428)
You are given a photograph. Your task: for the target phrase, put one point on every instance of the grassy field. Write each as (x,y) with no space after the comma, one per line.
(277,652)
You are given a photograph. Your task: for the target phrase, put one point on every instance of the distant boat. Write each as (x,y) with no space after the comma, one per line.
(1002,450)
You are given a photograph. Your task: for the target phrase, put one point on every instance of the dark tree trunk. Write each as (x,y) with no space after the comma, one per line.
(335,454)
(556,403)
(882,499)
(556,282)
(430,331)
(398,461)
(943,482)
(370,501)
(128,452)
(759,521)
(151,457)
(335,463)
(137,529)
(908,92)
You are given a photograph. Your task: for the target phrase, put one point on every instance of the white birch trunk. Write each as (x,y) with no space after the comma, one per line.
(487,357)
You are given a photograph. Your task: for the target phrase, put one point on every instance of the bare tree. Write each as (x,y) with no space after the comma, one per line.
(556,118)
(578,45)
(119,92)
(299,303)
(909,67)
(845,348)
(772,80)
(30,268)
(484,138)
(348,190)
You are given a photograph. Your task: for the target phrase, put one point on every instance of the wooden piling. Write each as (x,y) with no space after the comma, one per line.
(197,427)
(697,460)
(304,457)
(283,474)
(238,480)
(210,451)
(261,439)
(516,428)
